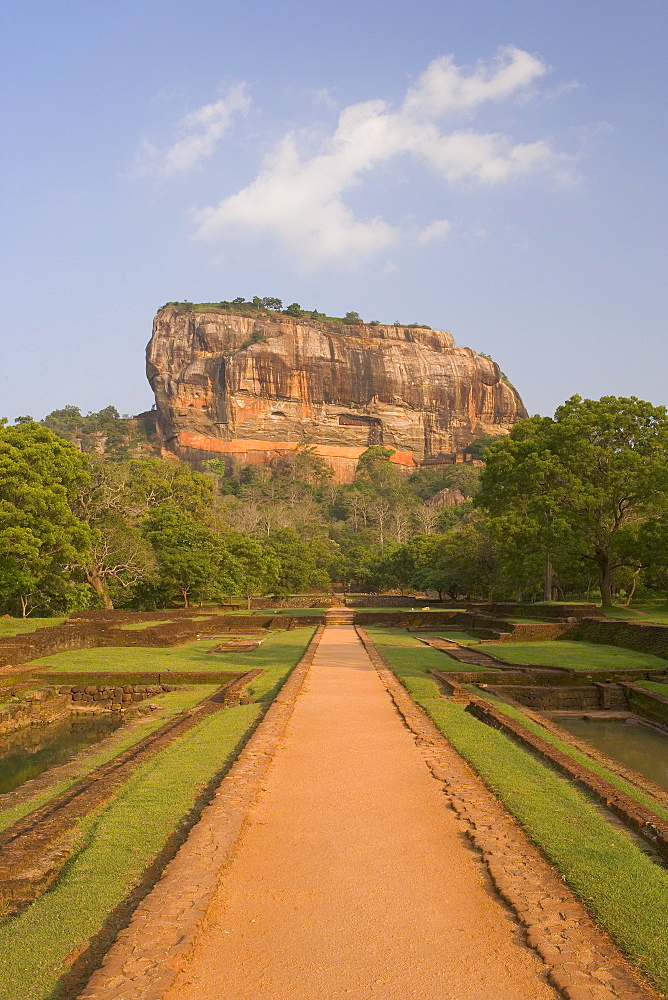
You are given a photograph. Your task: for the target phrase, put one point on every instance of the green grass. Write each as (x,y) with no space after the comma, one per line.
(115,844)
(412,654)
(409,611)
(464,638)
(577,655)
(594,857)
(138,626)
(527,621)
(297,612)
(121,838)
(581,758)
(278,647)
(170,705)
(642,611)
(19,626)
(655,686)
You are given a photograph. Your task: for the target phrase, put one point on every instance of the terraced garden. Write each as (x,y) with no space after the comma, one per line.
(586,656)
(594,855)
(139,792)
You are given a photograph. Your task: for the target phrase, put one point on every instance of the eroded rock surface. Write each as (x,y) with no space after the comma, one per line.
(249,388)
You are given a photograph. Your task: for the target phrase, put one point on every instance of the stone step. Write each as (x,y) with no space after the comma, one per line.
(339,616)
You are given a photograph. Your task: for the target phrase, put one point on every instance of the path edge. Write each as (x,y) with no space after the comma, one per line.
(144,959)
(553,918)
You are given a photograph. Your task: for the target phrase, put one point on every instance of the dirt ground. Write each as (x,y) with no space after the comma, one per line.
(352,879)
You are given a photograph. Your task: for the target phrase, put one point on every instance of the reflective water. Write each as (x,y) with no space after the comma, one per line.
(29,752)
(643,749)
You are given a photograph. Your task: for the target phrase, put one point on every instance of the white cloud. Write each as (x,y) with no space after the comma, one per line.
(298,196)
(434,231)
(199,134)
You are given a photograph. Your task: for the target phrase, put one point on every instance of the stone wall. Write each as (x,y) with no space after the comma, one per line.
(647,703)
(561,698)
(540,610)
(39,708)
(645,638)
(375,601)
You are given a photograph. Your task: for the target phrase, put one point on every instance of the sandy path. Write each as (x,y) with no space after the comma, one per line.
(351,878)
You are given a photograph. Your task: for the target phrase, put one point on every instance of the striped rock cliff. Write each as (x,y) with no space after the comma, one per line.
(248,388)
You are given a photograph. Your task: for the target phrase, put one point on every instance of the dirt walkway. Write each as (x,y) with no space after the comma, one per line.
(351,878)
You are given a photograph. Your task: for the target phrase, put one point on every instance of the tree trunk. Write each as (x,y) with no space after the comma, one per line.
(185,598)
(604,578)
(547,590)
(94,580)
(633,587)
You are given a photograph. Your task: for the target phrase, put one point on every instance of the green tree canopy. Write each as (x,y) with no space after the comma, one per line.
(586,484)
(40,475)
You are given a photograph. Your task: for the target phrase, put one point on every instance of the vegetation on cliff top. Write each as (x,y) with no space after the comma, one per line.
(273,306)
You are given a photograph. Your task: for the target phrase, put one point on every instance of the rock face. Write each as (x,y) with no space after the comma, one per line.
(247,388)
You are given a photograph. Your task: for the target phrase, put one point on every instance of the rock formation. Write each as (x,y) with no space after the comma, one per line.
(247,388)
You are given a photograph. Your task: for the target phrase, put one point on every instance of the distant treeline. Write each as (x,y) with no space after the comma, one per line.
(571,505)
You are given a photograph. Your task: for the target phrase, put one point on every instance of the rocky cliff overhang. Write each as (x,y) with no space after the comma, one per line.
(248,388)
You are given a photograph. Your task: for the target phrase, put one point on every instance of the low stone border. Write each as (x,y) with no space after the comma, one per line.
(551,725)
(584,963)
(143,960)
(639,818)
(34,849)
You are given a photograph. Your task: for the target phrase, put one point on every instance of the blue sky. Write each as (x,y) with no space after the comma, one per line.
(495,169)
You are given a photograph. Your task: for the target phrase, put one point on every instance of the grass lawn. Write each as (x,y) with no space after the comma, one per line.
(277,648)
(545,734)
(412,654)
(115,844)
(19,626)
(656,687)
(427,608)
(464,638)
(118,840)
(138,626)
(577,655)
(594,857)
(170,704)
(297,612)
(649,611)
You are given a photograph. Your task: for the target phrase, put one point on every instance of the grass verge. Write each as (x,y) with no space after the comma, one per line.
(570,751)
(19,626)
(594,857)
(586,656)
(414,655)
(170,705)
(118,841)
(115,845)
(656,686)
(193,657)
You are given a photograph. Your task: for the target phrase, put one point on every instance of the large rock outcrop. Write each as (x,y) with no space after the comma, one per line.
(246,388)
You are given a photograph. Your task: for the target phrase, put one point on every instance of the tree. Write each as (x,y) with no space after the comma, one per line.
(295,310)
(273,304)
(40,535)
(110,505)
(186,552)
(257,568)
(352,317)
(298,570)
(585,484)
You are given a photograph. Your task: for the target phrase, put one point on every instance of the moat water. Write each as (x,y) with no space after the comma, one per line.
(638,746)
(29,752)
